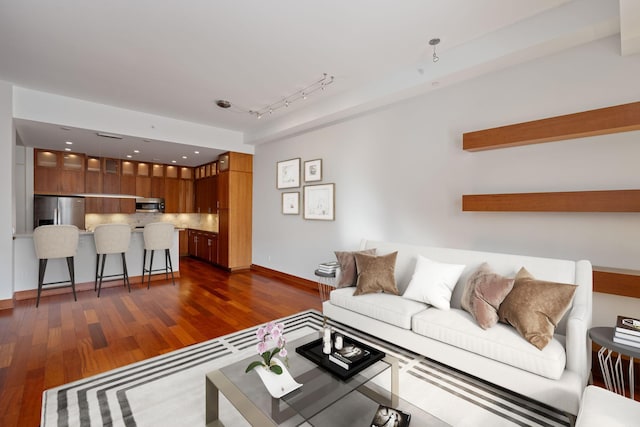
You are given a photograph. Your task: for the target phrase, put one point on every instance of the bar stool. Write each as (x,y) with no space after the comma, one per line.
(51,242)
(111,239)
(157,236)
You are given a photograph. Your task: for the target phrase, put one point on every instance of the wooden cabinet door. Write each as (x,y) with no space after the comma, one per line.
(183,243)
(93,184)
(193,243)
(172,195)
(71,176)
(212,254)
(111,185)
(45,171)
(223,238)
(187,196)
(203,246)
(128,186)
(143,186)
(223,190)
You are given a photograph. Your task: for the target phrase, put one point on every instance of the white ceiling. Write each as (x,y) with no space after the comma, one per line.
(175,59)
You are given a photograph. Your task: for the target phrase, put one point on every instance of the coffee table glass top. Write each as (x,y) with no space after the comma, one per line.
(322,396)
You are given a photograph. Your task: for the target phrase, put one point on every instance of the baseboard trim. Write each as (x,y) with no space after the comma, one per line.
(287,278)
(6,304)
(88,286)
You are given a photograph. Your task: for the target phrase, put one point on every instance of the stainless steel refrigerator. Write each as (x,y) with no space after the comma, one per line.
(48,210)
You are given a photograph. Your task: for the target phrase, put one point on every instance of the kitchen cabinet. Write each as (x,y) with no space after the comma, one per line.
(203,245)
(143,180)
(235,195)
(128,186)
(206,189)
(157,180)
(58,172)
(110,184)
(183,242)
(93,184)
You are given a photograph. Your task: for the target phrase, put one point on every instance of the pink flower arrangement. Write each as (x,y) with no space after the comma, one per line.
(270,332)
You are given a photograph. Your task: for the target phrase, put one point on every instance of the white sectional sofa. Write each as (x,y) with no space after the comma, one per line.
(556,375)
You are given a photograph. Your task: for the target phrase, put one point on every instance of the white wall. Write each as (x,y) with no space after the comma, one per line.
(7,219)
(400,172)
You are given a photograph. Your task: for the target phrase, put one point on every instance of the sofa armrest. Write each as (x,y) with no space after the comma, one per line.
(579,323)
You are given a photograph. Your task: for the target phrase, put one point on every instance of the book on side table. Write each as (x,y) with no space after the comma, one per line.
(627,331)
(348,355)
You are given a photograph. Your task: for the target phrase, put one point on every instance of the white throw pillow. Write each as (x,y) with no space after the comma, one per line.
(433,282)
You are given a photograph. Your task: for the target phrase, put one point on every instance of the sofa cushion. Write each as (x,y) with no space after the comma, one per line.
(433,282)
(375,274)
(348,272)
(483,293)
(384,307)
(534,307)
(501,343)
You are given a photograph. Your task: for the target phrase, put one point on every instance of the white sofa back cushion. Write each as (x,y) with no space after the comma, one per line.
(555,270)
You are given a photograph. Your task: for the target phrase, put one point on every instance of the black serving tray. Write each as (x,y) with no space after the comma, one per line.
(313,352)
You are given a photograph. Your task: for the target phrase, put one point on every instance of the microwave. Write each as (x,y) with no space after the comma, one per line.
(149,205)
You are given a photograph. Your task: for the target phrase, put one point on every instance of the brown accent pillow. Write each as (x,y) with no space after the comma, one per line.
(347,261)
(376,274)
(534,307)
(483,293)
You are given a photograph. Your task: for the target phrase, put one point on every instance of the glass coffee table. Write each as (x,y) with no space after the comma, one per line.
(323,399)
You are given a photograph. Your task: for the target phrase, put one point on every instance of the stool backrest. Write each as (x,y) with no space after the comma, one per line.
(112,238)
(56,241)
(158,235)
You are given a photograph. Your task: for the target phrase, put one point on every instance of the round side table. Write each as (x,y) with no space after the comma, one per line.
(612,370)
(326,283)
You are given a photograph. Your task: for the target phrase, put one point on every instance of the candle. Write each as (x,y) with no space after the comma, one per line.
(338,342)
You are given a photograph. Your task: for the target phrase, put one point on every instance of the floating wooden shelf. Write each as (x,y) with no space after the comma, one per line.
(616,281)
(571,201)
(620,118)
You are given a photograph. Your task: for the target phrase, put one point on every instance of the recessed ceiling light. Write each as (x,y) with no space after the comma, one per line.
(136,151)
(173,161)
(129,156)
(67,149)
(69,143)
(184,157)
(196,152)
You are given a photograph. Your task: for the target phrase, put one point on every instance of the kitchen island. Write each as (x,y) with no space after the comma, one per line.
(26,264)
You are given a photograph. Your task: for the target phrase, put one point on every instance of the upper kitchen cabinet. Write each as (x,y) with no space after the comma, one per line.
(93,184)
(57,172)
(128,185)
(157,180)
(143,180)
(187,190)
(110,184)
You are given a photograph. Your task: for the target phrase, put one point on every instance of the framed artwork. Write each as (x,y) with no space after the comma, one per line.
(313,170)
(319,202)
(291,203)
(288,173)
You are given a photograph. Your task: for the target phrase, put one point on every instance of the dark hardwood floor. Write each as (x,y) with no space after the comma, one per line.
(63,340)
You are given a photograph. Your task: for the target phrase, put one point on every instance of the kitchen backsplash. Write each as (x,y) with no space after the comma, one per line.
(206,222)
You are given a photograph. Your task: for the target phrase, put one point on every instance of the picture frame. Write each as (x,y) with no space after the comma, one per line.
(288,174)
(291,203)
(313,170)
(319,202)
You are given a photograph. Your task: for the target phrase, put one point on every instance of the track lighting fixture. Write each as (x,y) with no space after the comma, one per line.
(285,102)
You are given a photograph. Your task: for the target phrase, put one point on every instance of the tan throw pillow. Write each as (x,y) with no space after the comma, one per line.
(534,307)
(376,274)
(348,271)
(483,293)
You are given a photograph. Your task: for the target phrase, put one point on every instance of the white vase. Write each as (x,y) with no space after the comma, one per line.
(277,385)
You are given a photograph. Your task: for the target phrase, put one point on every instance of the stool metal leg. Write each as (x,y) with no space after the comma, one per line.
(95,282)
(104,258)
(72,275)
(144,261)
(167,262)
(126,274)
(41,269)
(150,269)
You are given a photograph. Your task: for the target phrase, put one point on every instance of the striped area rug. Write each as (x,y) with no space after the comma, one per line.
(168,390)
